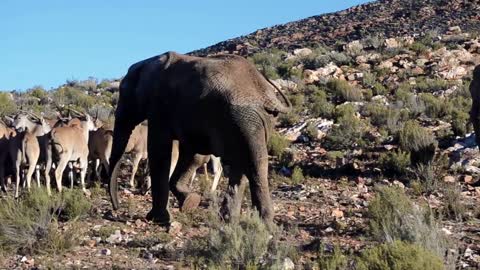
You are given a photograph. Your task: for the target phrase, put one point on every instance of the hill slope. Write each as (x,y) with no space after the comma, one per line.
(385,18)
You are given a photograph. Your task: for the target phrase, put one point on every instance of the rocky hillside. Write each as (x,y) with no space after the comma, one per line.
(385,18)
(377,148)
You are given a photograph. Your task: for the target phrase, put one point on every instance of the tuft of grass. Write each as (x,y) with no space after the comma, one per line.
(394,217)
(395,162)
(419,141)
(453,206)
(311,131)
(277,144)
(29,225)
(344,91)
(297,175)
(244,243)
(348,133)
(399,256)
(335,261)
(75,204)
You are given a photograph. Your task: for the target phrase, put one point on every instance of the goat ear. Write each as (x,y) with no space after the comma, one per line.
(9,120)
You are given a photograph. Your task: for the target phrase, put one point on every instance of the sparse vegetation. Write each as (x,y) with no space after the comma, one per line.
(245,243)
(30,224)
(400,256)
(277,144)
(344,91)
(418,141)
(396,162)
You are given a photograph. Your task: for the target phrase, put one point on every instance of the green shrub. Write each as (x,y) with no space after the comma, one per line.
(369,79)
(286,70)
(73,96)
(342,90)
(378,113)
(74,204)
(379,89)
(335,261)
(316,61)
(7,105)
(394,217)
(459,122)
(418,47)
(434,107)
(431,85)
(267,62)
(245,243)
(297,100)
(289,119)
(399,256)
(319,105)
(387,212)
(37,92)
(452,197)
(348,133)
(340,59)
(419,141)
(297,175)
(395,162)
(277,144)
(311,131)
(29,225)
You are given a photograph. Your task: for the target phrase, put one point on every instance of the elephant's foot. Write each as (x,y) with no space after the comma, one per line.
(191,202)
(161,218)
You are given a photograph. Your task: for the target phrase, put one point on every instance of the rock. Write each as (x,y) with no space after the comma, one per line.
(387,64)
(449,179)
(398,184)
(354,46)
(106,252)
(421,62)
(288,264)
(337,213)
(454,30)
(114,238)
(391,43)
(361,59)
(175,228)
(454,74)
(468,179)
(285,84)
(302,52)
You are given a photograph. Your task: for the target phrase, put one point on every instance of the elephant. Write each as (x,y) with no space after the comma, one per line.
(218,105)
(475,110)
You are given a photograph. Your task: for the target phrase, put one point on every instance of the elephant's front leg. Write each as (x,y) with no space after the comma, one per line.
(187,165)
(257,174)
(159,155)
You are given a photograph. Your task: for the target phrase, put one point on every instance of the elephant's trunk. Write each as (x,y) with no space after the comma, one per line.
(273,104)
(121,135)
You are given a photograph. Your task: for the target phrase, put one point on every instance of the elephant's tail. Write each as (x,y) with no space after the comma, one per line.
(272,104)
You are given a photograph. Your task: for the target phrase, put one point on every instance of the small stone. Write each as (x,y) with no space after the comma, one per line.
(288,264)
(175,228)
(468,179)
(398,184)
(90,243)
(106,252)
(329,230)
(447,231)
(139,223)
(337,213)
(114,238)
(449,179)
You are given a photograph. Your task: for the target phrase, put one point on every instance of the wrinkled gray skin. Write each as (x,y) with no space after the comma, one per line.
(218,105)
(475,111)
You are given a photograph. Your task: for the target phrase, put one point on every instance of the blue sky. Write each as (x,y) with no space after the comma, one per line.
(47,42)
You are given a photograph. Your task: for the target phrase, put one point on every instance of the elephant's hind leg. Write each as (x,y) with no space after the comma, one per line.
(232,203)
(187,165)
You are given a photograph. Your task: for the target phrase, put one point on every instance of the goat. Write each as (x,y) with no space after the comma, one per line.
(27,145)
(5,161)
(100,146)
(70,143)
